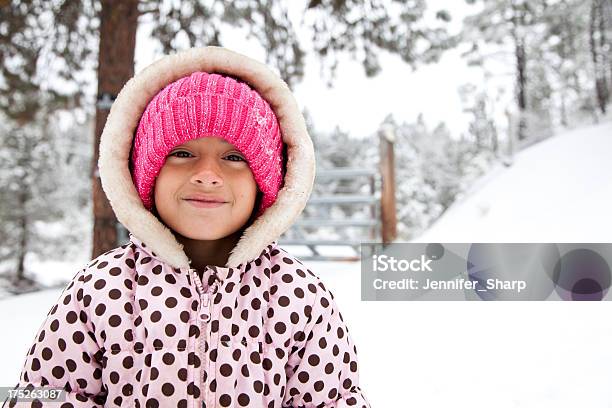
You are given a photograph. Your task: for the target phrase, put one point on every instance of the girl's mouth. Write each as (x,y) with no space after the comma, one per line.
(205,204)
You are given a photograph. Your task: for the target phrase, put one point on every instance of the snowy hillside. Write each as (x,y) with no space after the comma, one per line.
(557,191)
(466,354)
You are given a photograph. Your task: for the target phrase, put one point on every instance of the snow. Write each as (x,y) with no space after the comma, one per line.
(555,191)
(465,354)
(21,317)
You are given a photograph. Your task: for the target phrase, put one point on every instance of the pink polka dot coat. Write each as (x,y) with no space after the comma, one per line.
(129,330)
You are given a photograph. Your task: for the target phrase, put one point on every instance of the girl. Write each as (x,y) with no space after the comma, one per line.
(206,160)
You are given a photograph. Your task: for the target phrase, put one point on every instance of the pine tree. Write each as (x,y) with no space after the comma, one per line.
(600,42)
(27,171)
(511,27)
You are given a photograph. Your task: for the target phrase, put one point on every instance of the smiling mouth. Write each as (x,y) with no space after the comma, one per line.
(205,204)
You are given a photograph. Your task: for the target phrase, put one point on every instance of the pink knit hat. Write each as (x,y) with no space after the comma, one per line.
(208,105)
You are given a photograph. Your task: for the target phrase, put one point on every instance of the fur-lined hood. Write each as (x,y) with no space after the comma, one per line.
(116,143)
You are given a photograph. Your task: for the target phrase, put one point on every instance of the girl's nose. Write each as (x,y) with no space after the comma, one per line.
(207,174)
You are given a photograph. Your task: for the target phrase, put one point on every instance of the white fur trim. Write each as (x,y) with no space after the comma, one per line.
(116,142)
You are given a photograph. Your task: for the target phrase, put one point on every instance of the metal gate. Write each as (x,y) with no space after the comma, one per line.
(371,226)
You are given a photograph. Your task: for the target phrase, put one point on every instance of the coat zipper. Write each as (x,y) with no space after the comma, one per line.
(204,317)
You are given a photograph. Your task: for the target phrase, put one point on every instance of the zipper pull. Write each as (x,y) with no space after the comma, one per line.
(205,307)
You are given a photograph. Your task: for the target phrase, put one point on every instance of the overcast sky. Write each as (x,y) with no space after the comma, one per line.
(358,104)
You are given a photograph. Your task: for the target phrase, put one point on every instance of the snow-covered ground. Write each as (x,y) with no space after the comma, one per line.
(466,354)
(559,190)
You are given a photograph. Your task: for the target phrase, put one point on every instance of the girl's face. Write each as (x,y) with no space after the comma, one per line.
(213,171)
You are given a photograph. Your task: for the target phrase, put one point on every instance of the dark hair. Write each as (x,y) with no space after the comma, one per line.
(258,199)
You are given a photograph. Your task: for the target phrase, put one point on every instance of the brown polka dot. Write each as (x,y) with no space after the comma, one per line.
(54,325)
(280,327)
(71,317)
(254,331)
(78,337)
(170,330)
(154,373)
(258,386)
(114,320)
(171,302)
(225,400)
(225,370)
(168,358)
(128,362)
(35,364)
(243,400)
(324,302)
(99,284)
(47,354)
(71,365)
(255,358)
(100,309)
(227,312)
(58,372)
(167,389)
(256,303)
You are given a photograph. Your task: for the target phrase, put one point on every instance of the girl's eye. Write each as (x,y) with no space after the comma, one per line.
(234,157)
(179,152)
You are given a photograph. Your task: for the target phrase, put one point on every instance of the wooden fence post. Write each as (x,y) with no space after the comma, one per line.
(387,195)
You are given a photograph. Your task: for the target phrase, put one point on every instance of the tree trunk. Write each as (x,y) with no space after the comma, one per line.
(494,138)
(118,24)
(23,242)
(603,57)
(518,21)
(563,54)
(596,31)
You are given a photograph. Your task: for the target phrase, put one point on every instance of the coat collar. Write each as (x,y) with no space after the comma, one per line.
(125,113)
(224,273)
